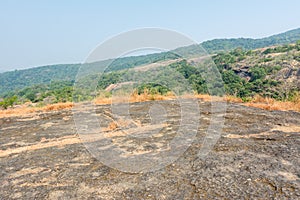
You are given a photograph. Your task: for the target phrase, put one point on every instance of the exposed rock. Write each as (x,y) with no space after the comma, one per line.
(257,157)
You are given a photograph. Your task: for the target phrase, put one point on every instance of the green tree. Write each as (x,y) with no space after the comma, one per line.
(257,73)
(9,101)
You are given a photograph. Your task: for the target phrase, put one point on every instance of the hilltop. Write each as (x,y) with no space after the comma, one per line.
(257,156)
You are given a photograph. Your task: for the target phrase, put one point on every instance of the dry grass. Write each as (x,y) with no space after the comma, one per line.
(207,97)
(58,106)
(121,123)
(134,97)
(146,96)
(102,100)
(276,105)
(112,126)
(272,104)
(24,110)
(257,101)
(233,99)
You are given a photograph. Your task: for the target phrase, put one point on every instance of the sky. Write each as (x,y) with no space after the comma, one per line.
(39,32)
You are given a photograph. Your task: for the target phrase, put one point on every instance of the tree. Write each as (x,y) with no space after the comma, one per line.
(257,73)
(298,45)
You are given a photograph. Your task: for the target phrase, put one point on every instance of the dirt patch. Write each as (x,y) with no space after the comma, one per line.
(285,129)
(27,171)
(57,142)
(289,176)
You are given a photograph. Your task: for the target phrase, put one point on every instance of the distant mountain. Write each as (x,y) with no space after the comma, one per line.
(18,79)
(216,45)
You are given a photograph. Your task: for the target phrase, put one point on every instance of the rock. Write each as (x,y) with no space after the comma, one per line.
(261,161)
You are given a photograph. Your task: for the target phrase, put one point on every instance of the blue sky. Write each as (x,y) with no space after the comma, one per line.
(35,33)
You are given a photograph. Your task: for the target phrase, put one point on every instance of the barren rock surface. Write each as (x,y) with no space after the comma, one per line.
(256,157)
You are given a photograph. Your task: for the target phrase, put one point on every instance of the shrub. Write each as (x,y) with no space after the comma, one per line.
(9,101)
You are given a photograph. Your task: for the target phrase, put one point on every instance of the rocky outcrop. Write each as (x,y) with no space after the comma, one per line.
(256,157)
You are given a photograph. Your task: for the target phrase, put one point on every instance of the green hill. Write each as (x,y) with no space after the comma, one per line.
(248,43)
(15,81)
(18,79)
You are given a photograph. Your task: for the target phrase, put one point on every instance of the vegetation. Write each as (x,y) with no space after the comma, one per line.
(9,101)
(19,79)
(247,43)
(245,73)
(261,76)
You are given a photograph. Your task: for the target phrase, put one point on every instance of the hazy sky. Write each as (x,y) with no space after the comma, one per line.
(35,33)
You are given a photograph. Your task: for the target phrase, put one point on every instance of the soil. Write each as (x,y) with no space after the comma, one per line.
(256,157)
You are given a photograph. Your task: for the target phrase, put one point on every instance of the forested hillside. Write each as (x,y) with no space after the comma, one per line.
(270,72)
(43,75)
(217,45)
(18,79)
(246,71)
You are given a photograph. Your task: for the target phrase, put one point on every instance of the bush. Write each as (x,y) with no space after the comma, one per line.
(257,73)
(9,101)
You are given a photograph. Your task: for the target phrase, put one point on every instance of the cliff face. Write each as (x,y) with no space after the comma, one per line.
(257,156)
(282,67)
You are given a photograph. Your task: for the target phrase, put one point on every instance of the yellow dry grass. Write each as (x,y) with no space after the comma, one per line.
(271,104)
(257,101)
(233,99)
(276,105)
(146,96)
(134,97)
(58,106)
(24,110)
(207,97)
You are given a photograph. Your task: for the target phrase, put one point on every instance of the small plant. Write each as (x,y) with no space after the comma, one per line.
(8,102)
(246,99)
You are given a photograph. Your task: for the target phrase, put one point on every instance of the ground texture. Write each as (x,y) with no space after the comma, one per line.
(256,157)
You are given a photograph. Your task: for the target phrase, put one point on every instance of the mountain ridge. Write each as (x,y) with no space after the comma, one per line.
(18,79)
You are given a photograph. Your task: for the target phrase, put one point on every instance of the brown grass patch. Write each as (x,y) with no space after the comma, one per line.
(272,104)
(146,96)
(112,126)
(257,101)
(134,97)
(121,123)
(233,99)
(25,110)
(102,100)
(58,106)
(276,105)
(207,97)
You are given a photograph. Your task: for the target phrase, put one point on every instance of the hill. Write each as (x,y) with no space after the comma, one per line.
(220,45)
(217,45)
(237,64)
(19,79)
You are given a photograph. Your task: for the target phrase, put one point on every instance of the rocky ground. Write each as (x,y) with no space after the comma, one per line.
(257,157)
